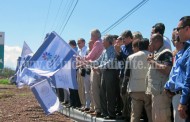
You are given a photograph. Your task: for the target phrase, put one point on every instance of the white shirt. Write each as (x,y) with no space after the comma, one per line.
(82,52)
(167,43)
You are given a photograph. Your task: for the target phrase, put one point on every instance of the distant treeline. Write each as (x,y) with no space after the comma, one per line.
(6,73)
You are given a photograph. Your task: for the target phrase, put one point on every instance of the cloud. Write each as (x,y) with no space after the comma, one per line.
(11,55)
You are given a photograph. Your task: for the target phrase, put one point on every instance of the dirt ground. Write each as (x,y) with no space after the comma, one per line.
(20,105)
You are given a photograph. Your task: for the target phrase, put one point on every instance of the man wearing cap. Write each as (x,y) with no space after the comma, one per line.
(178,85)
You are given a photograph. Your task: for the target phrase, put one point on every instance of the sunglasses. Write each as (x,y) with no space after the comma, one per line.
(179,28)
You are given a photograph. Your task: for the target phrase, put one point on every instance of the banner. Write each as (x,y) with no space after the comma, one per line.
(25,50)
(25,56)
(46,97)
(52,55)
(66,77)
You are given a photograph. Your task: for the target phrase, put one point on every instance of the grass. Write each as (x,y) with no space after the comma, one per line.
(6,94)
(4,81)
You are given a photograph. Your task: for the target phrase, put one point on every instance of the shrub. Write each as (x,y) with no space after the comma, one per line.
(4,81)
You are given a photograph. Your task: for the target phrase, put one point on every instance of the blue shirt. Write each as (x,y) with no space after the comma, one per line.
(180,74)
(106,59)
(126,50)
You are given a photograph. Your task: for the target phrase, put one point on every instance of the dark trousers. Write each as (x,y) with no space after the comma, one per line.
(188,112)
(108,92)
(119,102)
(60,94)
(74,98)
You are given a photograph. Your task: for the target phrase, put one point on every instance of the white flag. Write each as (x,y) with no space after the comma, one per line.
(46,97)
(52,55)
(66,77)
(25,50)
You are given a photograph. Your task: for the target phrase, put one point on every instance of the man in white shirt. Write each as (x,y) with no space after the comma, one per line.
(81,76)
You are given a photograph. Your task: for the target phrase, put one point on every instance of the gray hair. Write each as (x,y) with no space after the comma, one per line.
(108,38)
(97,32)
(137,35)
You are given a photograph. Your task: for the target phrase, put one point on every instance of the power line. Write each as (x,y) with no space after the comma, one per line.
(125,16)
(57,14)
(62,14)
(67,13)
(47,17)
(69,16)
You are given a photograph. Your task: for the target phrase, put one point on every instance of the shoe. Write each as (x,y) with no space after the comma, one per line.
(85,109)
(69,106)
(65,103)
(90,111)
(109,117)
(80,109)
(96,114)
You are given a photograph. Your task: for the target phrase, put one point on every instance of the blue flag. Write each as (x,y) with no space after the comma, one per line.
(66,76)
(25,56)
(52,55)
(46,97)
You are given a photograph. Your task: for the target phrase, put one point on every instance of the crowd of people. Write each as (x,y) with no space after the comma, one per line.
(130,77)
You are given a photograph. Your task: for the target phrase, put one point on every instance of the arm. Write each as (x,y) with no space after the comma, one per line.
(126,78)
(108,63)
(185,97)
(163,68)
(164,63)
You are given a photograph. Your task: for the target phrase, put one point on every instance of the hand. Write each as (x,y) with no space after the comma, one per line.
(117,48)
(182,111)
(96,69)
(150,58)
(167,92)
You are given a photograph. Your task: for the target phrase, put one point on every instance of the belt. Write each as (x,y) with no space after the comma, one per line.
(173,93)
(177,92)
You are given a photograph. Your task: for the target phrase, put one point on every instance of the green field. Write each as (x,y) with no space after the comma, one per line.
(4,81)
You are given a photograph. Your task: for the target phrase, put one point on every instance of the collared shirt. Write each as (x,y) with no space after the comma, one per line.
(126,50)
(106,59)
(82,52)
(180,74)
(96,51)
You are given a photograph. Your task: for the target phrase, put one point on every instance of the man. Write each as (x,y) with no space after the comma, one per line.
(122,52)
(135,72)
(158,73)
(160,28)
(74,96)
(95,77)
(81,76)
(105,63)
(137,35)
(179,82)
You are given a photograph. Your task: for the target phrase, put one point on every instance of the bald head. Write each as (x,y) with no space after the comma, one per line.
(156,41)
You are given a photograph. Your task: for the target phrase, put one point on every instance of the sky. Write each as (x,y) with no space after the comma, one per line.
(30,20)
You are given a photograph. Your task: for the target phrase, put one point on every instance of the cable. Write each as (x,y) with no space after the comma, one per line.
(69,16)
(47,17)
(125,16)
(64,8)
(57,14)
